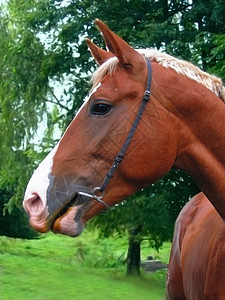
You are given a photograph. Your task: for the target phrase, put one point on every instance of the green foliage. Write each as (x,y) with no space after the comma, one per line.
(218,55)
(22,88)
(15,223)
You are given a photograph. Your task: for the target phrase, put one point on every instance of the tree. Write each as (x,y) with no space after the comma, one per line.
(13,223)
(22,88)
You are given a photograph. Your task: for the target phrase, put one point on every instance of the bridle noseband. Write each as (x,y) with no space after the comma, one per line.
(97,193)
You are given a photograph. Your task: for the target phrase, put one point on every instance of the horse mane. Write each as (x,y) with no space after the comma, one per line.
(183,67)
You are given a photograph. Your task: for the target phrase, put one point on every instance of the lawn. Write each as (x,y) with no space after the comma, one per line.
(61,268)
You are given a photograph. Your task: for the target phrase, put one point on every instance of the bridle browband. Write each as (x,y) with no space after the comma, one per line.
(98,192)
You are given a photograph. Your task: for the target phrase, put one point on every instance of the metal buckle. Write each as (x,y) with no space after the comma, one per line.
(147,96)
(95,195)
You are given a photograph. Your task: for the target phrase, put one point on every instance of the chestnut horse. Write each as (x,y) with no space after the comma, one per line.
(197,261)
(135,137)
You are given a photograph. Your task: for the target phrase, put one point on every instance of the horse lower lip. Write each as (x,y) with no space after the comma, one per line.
(69,223)
(68,220)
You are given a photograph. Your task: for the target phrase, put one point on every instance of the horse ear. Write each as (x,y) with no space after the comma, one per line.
(127,56)
(99,54)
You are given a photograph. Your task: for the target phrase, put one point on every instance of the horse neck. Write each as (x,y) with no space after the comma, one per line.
(199,117)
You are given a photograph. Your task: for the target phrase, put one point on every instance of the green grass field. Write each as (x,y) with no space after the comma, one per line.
(62,268)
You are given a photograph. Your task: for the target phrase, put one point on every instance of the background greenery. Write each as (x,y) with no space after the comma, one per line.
(57,267)
(45,70)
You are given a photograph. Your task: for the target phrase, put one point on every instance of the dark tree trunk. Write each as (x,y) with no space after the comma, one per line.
(134,253)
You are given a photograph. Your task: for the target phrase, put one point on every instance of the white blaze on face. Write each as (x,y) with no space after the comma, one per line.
(38,184)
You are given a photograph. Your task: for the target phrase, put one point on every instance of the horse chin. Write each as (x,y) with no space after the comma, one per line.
(70,222)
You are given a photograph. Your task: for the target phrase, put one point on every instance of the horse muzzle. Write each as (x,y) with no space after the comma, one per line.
(62,207)
(61,211)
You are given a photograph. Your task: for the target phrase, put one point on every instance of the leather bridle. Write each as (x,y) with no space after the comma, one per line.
(97,193)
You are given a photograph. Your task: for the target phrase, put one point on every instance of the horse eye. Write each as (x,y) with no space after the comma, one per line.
(100,108)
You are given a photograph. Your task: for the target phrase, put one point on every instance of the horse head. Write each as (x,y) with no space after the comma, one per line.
(58,197)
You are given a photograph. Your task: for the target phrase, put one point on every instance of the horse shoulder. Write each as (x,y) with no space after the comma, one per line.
(198,251)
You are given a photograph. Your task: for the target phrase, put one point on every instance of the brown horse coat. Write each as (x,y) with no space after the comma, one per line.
(197,261)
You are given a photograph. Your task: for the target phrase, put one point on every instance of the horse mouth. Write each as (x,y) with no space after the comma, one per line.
(60,215)
(68,220)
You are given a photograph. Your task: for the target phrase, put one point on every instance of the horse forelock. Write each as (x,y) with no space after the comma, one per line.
(183,67)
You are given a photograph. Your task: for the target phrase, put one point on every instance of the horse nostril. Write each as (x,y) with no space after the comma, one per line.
(34,205)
